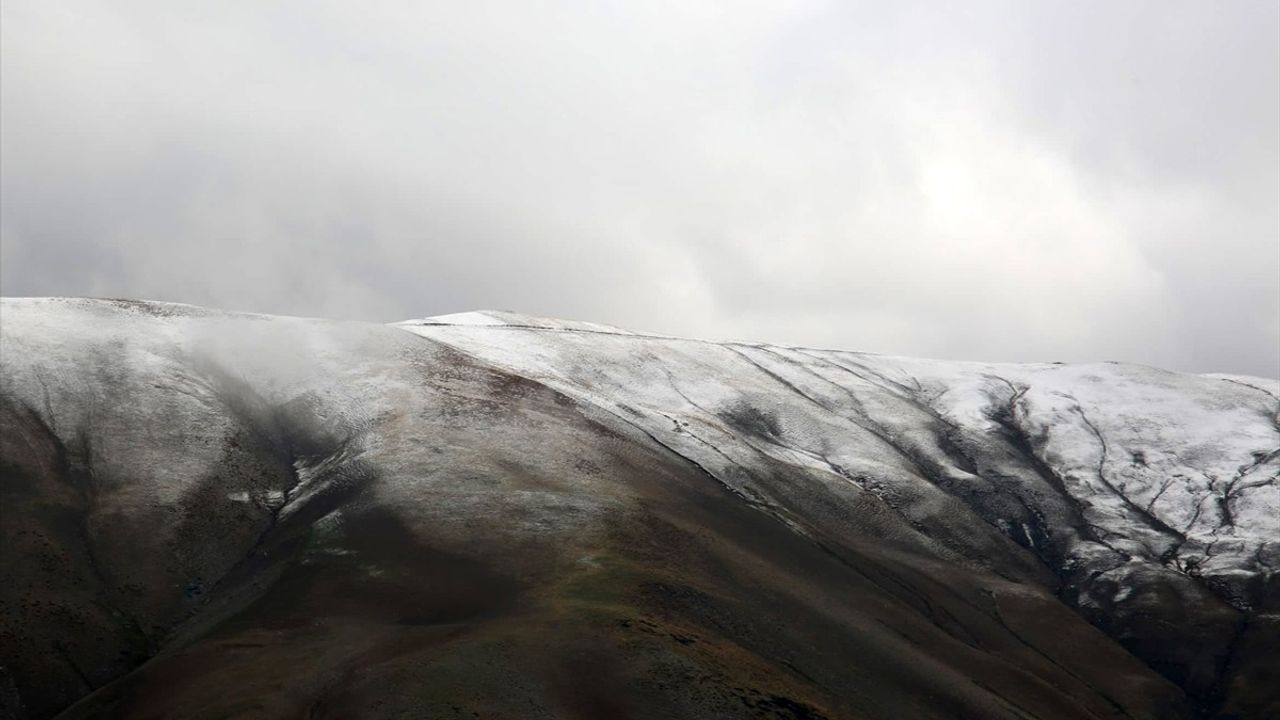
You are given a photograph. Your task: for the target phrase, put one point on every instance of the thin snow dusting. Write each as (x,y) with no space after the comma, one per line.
(1160,470)
(1105,473)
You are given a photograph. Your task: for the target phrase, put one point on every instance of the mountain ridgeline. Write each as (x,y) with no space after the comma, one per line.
(488,515)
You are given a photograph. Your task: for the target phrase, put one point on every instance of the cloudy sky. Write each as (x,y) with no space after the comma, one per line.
(1004,181)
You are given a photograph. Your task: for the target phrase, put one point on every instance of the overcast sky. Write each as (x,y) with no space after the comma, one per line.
(1002,181)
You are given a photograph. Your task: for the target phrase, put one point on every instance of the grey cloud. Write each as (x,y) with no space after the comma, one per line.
(1000,181)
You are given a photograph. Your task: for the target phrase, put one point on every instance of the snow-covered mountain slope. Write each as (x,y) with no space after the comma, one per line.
(210,513)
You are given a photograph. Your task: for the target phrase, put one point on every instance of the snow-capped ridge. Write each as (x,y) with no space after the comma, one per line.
(1144,501)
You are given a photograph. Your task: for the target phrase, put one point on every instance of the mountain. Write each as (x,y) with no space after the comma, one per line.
(488,515)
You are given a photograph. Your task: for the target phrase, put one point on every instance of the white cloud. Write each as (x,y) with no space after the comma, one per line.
(1003,181)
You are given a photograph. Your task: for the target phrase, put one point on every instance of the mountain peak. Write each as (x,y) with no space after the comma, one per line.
(495,512)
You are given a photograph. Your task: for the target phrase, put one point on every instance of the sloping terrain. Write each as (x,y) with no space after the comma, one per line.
(488,515)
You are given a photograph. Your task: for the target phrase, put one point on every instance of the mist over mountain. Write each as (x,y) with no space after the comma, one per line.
(490,515)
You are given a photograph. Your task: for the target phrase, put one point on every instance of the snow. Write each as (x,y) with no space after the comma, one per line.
(462,318)
(502,318)
(1095,468)
(1168,467)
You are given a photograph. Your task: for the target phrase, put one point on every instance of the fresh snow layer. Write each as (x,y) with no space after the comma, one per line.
(1107,471)
(1136,469)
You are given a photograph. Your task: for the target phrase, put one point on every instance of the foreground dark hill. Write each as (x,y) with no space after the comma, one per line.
(212,515)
